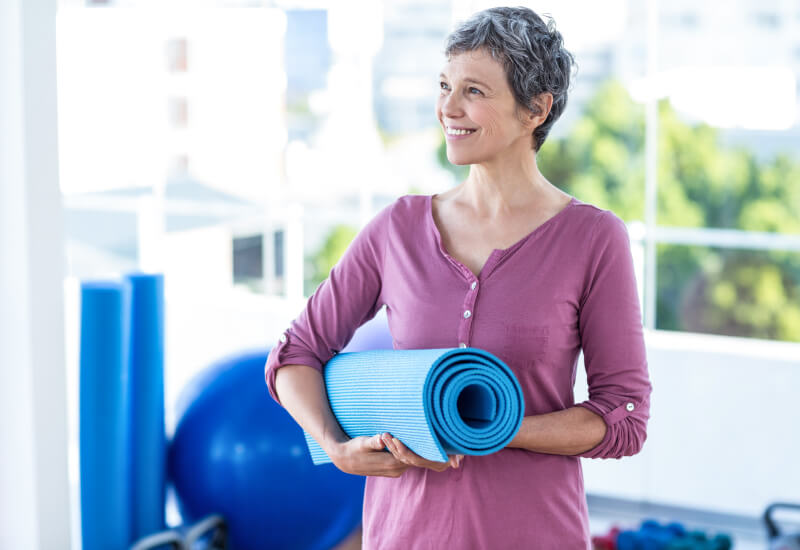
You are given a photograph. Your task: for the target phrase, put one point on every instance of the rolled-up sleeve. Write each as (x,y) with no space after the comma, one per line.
(349,297)
(613,342)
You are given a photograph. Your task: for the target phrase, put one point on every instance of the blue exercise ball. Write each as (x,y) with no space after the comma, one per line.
(237,453)
(374,334)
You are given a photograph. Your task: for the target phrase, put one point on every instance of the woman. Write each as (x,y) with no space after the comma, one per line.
(505,262)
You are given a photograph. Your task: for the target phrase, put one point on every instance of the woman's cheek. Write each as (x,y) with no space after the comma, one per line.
(490,126)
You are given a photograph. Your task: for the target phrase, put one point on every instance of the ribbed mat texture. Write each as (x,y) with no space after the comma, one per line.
(436,401)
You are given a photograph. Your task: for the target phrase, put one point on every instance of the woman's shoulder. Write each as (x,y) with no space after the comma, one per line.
(411,202)
(408,210)
(602,230)
(596,218)
(403,215)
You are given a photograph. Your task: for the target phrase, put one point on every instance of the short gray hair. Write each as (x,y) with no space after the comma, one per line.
(531,51)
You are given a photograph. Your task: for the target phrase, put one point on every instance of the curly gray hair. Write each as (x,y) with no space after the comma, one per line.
(531,51)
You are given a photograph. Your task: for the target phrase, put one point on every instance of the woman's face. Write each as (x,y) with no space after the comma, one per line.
(475,94)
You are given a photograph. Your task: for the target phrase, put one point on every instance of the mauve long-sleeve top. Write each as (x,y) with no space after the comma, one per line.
(567,285)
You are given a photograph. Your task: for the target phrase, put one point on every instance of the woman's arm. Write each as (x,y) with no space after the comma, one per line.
(302,393)
(612,338)
(301,390)
(567,432)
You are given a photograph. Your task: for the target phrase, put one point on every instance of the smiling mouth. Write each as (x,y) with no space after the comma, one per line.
(458,132)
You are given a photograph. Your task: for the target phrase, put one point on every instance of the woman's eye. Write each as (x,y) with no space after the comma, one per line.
(443,85)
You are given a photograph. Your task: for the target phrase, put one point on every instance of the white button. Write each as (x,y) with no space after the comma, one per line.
(473,285)
(462,345)
(629,406)
(467,314)
(283,337)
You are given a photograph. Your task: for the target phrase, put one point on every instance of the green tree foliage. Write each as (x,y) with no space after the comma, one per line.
(700,184)
(319,266)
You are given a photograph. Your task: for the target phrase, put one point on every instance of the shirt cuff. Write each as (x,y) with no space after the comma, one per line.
(279,356)
(625,409)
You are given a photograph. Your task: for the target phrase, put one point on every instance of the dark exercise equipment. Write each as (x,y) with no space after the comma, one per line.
(187,537)
(777,539)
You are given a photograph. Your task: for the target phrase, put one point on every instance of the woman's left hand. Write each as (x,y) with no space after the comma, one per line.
(406,455)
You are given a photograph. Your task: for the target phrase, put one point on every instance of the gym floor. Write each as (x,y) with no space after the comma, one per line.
(604,513)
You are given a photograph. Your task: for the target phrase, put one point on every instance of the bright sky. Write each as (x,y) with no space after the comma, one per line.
(717,96)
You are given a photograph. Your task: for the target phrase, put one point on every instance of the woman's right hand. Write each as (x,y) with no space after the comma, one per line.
(366,456)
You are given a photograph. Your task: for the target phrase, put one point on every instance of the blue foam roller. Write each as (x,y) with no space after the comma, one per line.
(104,489)
(677,529)
(436,401)
(629,540)
(148,440)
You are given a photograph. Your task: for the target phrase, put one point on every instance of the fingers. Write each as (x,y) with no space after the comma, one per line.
(390,466)
(407,456)
(375,442)
(401,452)
(366,456)
(402,457)
(455,460)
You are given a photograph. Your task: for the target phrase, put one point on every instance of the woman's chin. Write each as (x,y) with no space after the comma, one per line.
(459,160)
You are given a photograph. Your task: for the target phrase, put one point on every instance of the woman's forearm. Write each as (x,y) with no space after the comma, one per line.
(566,432)
(301,390)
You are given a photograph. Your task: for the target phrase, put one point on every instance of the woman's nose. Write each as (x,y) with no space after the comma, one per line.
(450,104)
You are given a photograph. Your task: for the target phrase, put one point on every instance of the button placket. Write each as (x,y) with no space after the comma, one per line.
(467,315)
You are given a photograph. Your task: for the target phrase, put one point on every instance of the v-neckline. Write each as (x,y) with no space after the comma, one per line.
(496,253)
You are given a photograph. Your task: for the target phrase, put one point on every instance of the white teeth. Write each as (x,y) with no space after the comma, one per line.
(458,132)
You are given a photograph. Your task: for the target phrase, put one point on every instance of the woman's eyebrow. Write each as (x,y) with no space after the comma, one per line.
(469,79)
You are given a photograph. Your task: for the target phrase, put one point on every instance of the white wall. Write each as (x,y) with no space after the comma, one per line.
(114,99)
(724,432)
(34,504)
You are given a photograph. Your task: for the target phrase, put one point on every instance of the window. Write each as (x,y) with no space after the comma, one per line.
(278,244)
(178,112)
(247,258)
(767,20)
(176,55)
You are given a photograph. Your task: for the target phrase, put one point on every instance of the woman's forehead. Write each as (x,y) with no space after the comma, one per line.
(472,64)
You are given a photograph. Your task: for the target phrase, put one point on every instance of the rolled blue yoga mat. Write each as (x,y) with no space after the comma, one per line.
(148,440)
(103,387)
(436,401)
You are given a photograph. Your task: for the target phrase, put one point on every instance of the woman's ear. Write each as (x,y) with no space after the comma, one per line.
(540,108)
